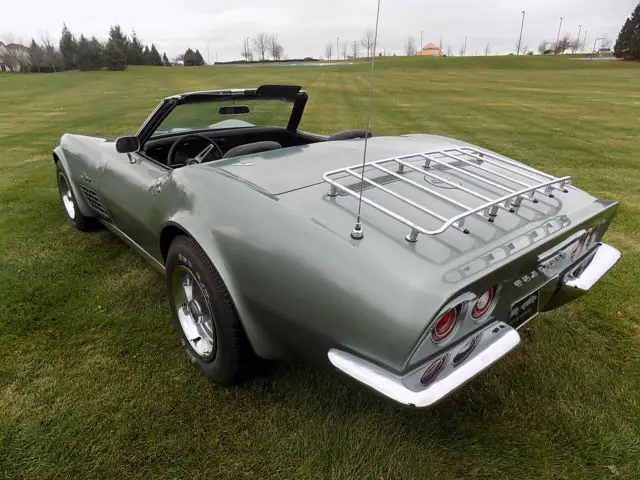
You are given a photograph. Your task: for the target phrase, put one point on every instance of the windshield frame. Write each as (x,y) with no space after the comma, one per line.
(288,93)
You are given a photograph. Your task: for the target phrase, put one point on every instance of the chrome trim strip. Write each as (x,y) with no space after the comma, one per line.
(393,386)
(129,241)
(602,261)
(488,208)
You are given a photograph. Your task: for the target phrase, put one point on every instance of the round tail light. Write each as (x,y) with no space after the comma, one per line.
(445,325)
(433,370)
(484,303)
(466,350)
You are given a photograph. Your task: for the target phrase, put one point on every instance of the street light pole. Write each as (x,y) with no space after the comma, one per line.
(594,46)
(558,37)
(578,39)
(521,28)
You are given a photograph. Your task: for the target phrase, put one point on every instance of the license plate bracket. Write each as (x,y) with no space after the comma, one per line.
(525,309)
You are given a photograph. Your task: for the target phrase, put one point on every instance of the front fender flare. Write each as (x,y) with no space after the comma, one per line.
(60,159)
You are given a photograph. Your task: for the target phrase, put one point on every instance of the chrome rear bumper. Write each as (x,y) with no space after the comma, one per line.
(494,342)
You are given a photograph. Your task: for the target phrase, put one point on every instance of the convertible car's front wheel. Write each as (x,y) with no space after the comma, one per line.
(204,315)
(74,215)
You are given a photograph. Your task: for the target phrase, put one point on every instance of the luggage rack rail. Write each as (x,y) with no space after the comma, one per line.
(502,174)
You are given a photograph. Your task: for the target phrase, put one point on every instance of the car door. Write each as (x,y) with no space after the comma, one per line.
(128,187)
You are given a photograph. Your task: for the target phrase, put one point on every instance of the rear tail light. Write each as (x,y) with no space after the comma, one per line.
(433,370)
(445,325)
(485,303)
(466,350)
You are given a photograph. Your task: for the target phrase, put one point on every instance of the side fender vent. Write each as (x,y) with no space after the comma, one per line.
(94,201)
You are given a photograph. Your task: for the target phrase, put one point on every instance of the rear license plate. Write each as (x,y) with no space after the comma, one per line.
(524,310)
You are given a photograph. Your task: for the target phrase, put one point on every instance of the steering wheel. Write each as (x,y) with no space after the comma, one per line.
(198,158)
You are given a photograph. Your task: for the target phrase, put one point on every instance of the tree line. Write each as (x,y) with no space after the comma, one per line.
(88,53)
(260,47)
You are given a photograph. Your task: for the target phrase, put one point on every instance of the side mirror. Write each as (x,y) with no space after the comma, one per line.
(127,144)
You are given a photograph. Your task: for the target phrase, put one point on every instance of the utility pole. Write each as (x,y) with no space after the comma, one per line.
(578,39)
(338,47)
(558,37)
(421,41)
(521,28)
(440,44)
(465,46)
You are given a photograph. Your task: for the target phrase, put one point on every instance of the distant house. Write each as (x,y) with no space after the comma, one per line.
(14,57)
(430,50)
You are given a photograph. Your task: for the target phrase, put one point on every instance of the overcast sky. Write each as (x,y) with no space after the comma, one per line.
(304,27)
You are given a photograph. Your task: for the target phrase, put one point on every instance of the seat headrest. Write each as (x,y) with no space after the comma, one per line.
(249,148)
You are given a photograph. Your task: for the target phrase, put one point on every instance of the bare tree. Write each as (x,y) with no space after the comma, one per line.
(273,46)
(525,49)
(344,48)
(563,44)
(463,51)
(605,43)
(51,55)
(487,49)
(261,45)
(449,51)
(367,41)
(410,46)
(328,51)
(247,54)
(355,49)
(543,47)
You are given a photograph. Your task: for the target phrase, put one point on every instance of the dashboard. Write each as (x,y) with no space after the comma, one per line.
(158,148)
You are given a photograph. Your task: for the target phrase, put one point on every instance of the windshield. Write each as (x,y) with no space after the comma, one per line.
(238,113)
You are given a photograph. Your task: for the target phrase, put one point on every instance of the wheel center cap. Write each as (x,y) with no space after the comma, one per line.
(194,310)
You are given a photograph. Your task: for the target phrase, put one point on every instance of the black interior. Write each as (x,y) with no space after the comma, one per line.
(227,140)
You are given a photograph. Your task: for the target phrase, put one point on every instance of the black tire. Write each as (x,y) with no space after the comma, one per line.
(232,360)
(76,219)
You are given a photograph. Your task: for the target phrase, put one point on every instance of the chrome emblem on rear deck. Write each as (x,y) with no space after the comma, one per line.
(437,182)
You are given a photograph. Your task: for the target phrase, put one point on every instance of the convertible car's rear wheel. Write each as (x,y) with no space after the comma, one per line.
(204,315)
(71,209)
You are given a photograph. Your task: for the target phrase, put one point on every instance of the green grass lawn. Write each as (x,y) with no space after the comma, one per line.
(94,383)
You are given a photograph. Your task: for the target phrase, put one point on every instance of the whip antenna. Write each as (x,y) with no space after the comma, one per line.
(357,233)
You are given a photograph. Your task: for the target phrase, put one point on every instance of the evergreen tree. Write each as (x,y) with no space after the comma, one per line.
(83,54)
(115,52)
(165,60)
(95,47)
(36,54)
(628,43)
(197,57)
(189,58)
(135,51)
(146,56)
(68,48)
(156,60)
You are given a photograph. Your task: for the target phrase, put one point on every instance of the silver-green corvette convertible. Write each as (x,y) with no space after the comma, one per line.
(409,268)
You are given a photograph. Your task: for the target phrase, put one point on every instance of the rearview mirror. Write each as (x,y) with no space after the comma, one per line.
(127,144)
(233,110)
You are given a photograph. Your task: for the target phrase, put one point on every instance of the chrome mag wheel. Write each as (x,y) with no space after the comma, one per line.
(194,312)
(67,196)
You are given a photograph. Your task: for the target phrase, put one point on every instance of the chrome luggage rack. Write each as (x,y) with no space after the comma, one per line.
(500,173)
